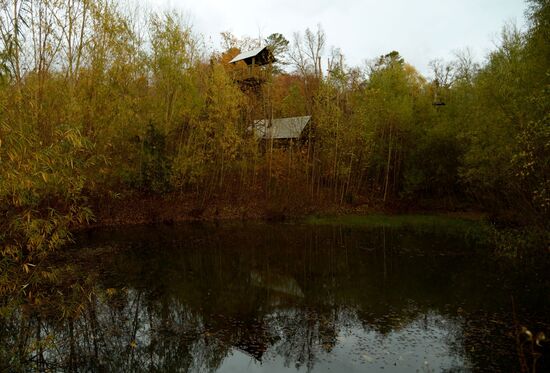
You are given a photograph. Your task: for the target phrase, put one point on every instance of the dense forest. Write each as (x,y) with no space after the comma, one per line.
(100,104)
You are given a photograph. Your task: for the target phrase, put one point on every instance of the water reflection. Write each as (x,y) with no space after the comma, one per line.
(276,298)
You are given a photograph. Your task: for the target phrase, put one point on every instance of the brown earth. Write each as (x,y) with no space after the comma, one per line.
(176,207)
(170,208)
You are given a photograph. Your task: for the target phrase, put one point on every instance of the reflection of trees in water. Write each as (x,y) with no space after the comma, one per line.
(265,291)
(305,334)
(127,335)
(131,334)
(128,332)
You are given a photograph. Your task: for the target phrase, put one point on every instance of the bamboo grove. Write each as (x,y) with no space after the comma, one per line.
(98,100)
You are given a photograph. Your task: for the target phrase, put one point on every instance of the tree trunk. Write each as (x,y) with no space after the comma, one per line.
(386,183)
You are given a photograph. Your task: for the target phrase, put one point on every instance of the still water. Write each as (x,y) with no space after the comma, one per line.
(284,298)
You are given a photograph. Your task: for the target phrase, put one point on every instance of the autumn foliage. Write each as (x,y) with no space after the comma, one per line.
(98,101)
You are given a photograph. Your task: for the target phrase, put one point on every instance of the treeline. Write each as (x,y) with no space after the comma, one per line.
(97,100)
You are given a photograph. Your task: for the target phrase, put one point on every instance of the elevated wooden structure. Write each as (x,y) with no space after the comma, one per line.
(250,68)
(255,57)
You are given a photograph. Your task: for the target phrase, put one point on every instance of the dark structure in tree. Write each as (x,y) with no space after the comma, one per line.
(255,57)
(252,76)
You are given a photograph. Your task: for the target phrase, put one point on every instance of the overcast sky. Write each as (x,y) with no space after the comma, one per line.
(421,30)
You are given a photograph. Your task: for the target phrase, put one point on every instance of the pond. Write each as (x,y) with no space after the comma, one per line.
(259,297)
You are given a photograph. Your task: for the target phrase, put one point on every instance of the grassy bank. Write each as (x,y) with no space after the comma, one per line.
(400,221)
(471,228)
(528,242)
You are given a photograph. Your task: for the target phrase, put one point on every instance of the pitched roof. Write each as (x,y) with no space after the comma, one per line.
(262,55)
(281,128)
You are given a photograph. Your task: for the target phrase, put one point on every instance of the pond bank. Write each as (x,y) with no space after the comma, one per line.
(140,209)
(172,208)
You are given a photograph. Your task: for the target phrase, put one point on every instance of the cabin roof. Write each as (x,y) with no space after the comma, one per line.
(261,56)
(281,128)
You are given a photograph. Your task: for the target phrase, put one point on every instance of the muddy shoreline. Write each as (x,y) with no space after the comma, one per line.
(139,209)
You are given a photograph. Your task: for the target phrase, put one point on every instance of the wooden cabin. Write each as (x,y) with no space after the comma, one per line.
(255,57)
(282,132)
(251,74)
